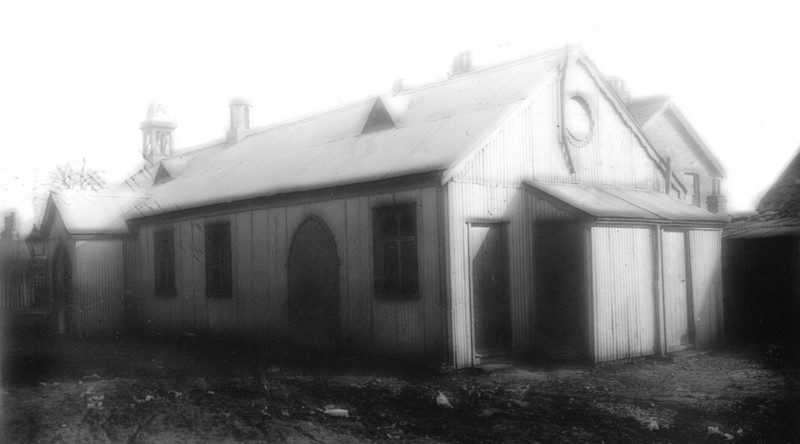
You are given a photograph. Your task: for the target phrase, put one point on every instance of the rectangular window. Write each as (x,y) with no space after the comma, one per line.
(394,233)
(693,188)
(164,263)
(218,259)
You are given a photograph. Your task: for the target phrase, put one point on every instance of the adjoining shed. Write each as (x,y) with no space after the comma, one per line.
(762,265)
(86,255)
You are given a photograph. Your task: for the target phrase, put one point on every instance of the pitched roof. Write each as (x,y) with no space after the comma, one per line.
(614,203)
(784,195)
(434,125)
(91,213)
(643,108)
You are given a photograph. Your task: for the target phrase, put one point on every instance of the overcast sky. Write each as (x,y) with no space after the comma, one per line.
(77,76)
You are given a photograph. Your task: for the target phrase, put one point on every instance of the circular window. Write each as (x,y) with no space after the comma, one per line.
(578,119)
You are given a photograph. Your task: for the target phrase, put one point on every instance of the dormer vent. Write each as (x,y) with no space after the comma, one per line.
(462,63)
(240,120)
(378,119)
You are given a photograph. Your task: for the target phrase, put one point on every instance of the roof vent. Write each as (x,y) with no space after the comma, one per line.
(378,119)
(620,88)
(462,63)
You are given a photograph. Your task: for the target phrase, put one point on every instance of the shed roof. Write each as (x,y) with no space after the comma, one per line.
(434,125)
(91,213)
(615,203)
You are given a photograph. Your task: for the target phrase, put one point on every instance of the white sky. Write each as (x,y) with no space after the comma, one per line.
(76,77)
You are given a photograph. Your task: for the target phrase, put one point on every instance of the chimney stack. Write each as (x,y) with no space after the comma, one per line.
(620,88)
(398,86)
(717,203)
(240,120)
(462,63)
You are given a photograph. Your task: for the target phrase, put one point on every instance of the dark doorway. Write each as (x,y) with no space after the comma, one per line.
(677,303)
(314,285)
(490,296)
(560,319)
(62,291)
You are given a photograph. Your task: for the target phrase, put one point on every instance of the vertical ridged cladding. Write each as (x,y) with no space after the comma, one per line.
(613,155)
(260,241)
(470,202)
(622,273)
(98,286)
(706,278)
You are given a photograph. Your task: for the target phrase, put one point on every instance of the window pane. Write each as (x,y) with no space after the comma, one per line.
(391,267)
(409,268)
(389,219)
(218,259)
(408,221)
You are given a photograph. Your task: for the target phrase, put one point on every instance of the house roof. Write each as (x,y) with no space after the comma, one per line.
(784,195)
(434,125)
(91,213)
(645,108)
(615,203)
(768,224)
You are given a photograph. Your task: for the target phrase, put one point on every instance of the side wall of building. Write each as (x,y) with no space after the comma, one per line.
(260,241)
(98,289)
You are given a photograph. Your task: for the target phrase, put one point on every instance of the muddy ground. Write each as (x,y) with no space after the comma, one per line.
(141,391)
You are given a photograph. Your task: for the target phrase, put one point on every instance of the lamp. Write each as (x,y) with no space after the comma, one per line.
(37,244)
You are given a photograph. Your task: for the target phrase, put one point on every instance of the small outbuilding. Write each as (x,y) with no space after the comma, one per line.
(87,258)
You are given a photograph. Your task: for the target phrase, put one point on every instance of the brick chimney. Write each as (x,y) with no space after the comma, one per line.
(462,64)
(240,120)
(620,88)
(717,203)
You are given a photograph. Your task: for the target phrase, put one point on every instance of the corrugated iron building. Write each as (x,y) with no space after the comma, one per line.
(510,210)
(86,234)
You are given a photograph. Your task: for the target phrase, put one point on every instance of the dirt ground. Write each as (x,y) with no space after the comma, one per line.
(142,391)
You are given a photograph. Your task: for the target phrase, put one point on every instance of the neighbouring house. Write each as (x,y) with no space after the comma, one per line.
(762,265)
(677,141)
(509,210)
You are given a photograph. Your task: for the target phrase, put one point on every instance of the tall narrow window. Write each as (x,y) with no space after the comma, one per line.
(693,188)
(164,263)
(394,233)
(218,259)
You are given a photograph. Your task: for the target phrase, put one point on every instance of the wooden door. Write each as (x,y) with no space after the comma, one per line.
(314,285)
(62,291)
(677,306)
(490,296)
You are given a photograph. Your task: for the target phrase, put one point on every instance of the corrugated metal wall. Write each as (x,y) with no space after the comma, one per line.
(260,242)
(706,277)
(468,202)
(623,293)
(98,286)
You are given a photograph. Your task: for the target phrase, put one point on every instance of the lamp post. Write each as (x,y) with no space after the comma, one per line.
(37,244)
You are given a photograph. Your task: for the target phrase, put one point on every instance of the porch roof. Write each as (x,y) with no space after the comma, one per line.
(617,203)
